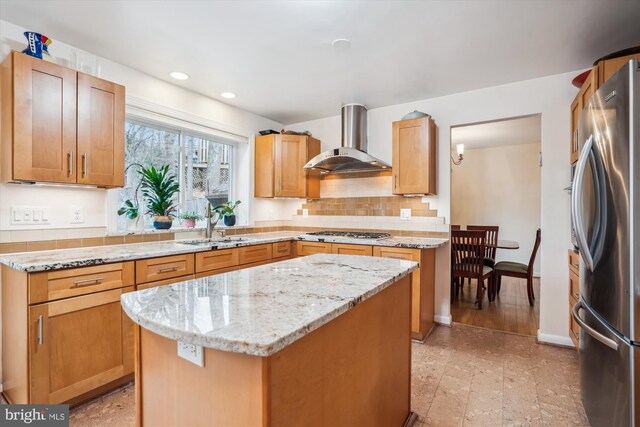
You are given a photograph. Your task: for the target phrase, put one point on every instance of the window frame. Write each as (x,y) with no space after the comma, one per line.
(139,112)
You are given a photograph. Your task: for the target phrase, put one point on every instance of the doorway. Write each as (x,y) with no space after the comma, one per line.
(497,182)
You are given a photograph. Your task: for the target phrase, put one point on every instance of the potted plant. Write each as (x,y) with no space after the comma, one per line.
(190,218)
(158,187)
(226,211)
(130,210)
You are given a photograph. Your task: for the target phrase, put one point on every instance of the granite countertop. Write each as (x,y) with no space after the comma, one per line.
(261,310)
(32,262)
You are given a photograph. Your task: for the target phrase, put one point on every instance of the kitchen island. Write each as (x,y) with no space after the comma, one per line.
(320,340)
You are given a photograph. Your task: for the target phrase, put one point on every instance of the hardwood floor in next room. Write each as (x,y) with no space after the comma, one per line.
(510,312)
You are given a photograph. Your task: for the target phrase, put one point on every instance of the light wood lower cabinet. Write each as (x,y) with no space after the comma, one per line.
(304,248)
(281,250)
(164,282)
(422,286)
(252,254)
(154,269)
(346,249)
(65,347)
(216,260)
(574,295)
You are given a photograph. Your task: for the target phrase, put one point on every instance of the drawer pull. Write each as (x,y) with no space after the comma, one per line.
(87,282)
(576,265)
(168,269)
(283,249)
(40,337)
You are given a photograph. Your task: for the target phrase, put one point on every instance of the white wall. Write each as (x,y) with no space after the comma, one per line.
(549,96)
(500,186)
(142,87)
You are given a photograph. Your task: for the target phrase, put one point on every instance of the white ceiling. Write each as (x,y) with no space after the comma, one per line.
(521,130)
(277,55)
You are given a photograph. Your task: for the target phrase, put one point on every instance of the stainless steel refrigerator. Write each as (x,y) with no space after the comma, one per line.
(606,214)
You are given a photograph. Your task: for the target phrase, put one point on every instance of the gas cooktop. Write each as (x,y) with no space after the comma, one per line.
(351,234)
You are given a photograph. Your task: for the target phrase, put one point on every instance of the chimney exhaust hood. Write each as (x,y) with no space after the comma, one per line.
(352,156)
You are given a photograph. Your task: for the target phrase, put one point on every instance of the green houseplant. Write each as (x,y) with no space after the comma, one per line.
(190,218)
(158,186)
(226,211)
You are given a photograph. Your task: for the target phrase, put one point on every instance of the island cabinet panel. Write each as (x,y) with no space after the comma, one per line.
(78,345)
(154,269)
(310,248)
(253,254)
(414,156)
(352,371)
(423,286)
(281,250)
(346,249)
(100,159)
(216,260)
(54,285)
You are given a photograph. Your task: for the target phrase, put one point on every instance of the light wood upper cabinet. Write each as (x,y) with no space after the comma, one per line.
(59,125)
(414,156)
(100,132)
(279,166)
(585,93)
(609,67)
(38,120)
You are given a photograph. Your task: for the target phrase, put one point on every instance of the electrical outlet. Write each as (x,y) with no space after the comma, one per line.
(76,215)
(405,214)
(191,352)
(305,212)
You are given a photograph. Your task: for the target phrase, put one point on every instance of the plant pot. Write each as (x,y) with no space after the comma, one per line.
(162,222)
(189,223)
(230,220)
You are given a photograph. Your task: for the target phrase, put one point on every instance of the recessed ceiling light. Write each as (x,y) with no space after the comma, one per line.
(228,95)
(341,43)
(178,75)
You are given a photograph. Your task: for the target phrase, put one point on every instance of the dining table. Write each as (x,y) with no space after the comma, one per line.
(505,244)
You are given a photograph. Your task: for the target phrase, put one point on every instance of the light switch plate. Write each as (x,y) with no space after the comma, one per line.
(29,215)
(191,352)
(305,213)
(405,214)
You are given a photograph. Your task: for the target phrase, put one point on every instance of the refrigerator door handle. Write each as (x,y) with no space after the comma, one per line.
(576,203)
(588,329)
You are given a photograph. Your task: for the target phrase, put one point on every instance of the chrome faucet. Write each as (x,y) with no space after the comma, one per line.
(211,225)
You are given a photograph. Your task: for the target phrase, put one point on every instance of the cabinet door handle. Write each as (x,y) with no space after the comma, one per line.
(84,165)
(86,282)
(395,181)
(40,337)
(167,269)
(283,249)
(576,265)
(70,158)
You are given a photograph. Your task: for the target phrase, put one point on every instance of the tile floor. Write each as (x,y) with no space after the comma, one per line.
(461,376)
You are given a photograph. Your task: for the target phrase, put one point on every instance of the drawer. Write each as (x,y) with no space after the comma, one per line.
(54,285)
(346,249)
(215,260)
(574,262)
(251,254)
(154,269)
(574,284)
(165,282)
(397,253)
(281,249)
(310,248)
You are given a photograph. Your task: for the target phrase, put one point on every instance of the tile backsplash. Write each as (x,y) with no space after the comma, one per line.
(368,206)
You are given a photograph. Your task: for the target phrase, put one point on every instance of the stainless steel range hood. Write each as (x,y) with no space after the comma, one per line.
(352,156)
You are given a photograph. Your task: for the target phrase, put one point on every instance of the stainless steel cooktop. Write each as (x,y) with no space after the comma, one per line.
(351,234)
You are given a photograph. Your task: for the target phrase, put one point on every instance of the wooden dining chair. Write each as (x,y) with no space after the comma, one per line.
(454,227)
(518,270)
(467,257)
(491,242)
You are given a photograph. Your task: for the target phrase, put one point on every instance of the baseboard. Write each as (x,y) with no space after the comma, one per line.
(442,320)
(554,339)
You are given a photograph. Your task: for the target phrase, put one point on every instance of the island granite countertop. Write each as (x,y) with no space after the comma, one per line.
(32,262)
(261,310)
